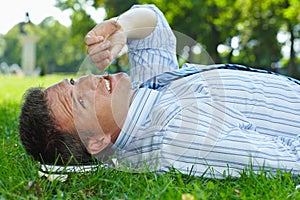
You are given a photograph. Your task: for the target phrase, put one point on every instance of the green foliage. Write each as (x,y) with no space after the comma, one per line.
(82,22)
(13,48)
(291,10)
(115,7)
(259,37)
(55,50)
(212,23)
(56,53)
(81,25)
(256,24)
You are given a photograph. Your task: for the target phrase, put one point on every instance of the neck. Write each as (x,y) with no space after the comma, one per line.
(115,135)
(131,96)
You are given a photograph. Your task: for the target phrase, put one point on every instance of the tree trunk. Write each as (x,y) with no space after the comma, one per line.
(213,45)
(292,68)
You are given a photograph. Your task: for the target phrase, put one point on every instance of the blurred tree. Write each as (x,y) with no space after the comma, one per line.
(81,20)
(209,22)
(114,7)
(258,26)
(291,18)
(248,29)
(2,47)
(13,47)
(55,50)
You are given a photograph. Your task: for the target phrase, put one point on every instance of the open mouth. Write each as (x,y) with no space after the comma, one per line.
(107,84)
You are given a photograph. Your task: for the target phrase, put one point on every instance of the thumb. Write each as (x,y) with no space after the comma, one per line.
(107,29)
(114,26)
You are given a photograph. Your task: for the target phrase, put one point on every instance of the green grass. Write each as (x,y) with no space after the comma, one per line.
(19,178)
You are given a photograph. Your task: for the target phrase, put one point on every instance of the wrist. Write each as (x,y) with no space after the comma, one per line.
(122,24)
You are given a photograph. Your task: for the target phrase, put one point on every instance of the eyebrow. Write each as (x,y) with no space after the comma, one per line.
(66,80)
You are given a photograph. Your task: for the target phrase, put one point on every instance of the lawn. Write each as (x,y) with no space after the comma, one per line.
(19,178)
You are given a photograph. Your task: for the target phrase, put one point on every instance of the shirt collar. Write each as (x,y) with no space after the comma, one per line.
(142,104)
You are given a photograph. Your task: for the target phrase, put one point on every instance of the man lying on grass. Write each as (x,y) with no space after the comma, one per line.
(223,117)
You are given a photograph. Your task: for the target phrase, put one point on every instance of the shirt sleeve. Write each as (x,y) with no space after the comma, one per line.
(154,54)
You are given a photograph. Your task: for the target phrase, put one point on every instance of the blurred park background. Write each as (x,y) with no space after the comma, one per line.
(257,33)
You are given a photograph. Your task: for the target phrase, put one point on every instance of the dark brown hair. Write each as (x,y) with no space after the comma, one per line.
(42,139)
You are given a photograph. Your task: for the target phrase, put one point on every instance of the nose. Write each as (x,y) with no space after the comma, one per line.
(87,77)
(88,81)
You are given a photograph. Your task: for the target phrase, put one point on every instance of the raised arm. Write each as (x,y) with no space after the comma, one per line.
(107,39)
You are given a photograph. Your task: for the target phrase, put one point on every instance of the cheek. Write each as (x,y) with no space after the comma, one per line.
(103,110)
(108,121)
(112,110)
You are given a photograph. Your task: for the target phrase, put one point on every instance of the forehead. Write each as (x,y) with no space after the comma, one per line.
(58,92)
(59,98)
(60,89)
(57,86)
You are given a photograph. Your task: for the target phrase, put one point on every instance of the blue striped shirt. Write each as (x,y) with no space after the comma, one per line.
(218,119)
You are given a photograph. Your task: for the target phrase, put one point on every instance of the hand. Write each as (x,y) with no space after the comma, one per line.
(101,32)
(105,41)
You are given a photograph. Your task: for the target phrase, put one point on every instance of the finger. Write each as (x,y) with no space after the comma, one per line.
(93,40)
(98,47)
(116,49)
(106,28)
(98,57)
(114,26)
(103,64)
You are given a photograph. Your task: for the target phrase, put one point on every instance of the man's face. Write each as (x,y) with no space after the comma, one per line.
(94,104)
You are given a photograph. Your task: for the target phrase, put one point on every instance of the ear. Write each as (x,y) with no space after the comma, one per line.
(97,143)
